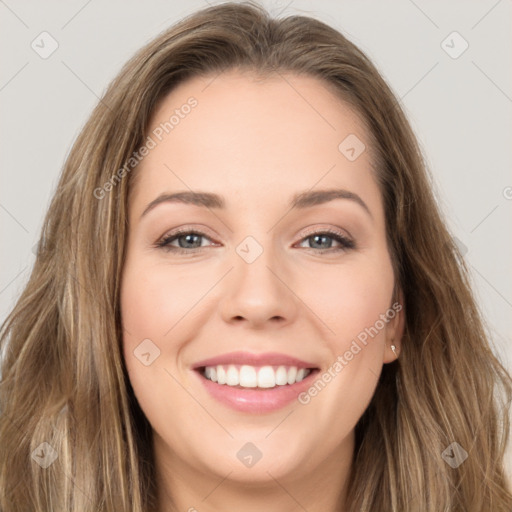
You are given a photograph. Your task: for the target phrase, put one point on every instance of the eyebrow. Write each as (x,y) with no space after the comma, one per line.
(299,201)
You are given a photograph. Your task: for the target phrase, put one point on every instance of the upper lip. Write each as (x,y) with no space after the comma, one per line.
(263,359)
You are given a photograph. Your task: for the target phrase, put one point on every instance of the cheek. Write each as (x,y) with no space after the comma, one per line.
(349,298)
(146,303)
(153,300)
(158,306)
(352,301)
(151,304)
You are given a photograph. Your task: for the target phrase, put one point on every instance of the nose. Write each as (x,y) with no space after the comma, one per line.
(259,294)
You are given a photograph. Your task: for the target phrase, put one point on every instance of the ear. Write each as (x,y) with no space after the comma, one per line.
(395,328)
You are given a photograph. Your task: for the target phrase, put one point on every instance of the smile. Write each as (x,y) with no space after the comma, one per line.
(247,376)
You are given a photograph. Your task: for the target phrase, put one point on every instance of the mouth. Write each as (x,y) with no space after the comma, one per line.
(255,390)
(255,377)
(255,383)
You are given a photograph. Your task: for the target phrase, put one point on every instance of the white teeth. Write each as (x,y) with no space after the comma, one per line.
(292,373)
(232,377)
(210,372)
(281,376)
(248,377)
(266,377)
(221,375)
(252,377)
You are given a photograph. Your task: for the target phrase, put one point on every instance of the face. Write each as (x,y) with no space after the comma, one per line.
(261,278)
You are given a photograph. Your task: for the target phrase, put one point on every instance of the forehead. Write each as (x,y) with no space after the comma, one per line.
(250,139)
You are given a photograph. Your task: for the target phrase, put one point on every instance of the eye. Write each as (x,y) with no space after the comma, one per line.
(320,240)
(189,241)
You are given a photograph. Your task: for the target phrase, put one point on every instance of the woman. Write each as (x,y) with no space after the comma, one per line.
(264,368)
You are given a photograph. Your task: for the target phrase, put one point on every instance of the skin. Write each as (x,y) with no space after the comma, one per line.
(256,143)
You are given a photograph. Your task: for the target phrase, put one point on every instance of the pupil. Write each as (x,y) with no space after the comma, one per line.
(324,237)
(189,238)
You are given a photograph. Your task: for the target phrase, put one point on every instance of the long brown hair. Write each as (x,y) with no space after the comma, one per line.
(63,377)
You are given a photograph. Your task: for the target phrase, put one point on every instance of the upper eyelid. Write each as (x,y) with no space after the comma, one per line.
(203,232)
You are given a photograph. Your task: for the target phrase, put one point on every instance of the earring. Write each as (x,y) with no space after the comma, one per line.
(393,348)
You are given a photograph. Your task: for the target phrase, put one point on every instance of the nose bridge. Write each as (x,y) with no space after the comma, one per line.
(256,289)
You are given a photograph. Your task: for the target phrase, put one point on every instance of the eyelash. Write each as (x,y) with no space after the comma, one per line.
(163,243)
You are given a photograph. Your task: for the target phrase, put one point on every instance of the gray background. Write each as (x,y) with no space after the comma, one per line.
(460,109)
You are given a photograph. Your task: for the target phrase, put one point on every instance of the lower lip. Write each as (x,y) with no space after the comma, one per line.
(256,400)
